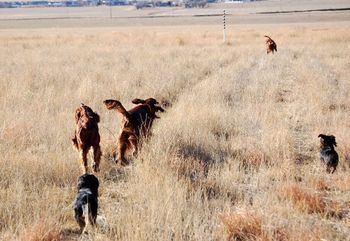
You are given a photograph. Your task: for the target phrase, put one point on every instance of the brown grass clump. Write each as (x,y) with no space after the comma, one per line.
(280,234)
(342,183)
(190,168)
(253,160)
(311,203)
(41,231)
(321,185)
(316,203)
(243,226)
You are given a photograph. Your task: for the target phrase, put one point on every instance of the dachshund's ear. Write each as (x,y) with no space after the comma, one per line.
(138,101)
(81,182)
(332,138)
(322,138)
(96,182)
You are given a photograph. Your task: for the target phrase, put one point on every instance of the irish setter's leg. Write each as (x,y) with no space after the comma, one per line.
(134,143)
(83,158)
(97,158)
(122,148)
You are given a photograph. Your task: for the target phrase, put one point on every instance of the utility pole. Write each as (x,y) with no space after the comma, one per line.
(224,22)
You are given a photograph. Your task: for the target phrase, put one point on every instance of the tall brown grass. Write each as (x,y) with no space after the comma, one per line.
(243,225)
(239,127)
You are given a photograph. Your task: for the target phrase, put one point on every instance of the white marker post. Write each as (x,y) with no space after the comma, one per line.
(224,22)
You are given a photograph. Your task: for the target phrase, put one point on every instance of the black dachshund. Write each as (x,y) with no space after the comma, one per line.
(86,203)
(327,153)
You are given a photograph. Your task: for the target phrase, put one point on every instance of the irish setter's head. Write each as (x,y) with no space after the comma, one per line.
(271,46)
(151,102)
(85,115)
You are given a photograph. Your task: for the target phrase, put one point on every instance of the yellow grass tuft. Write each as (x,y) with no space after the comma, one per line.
(243,225)
(41,231)
(311,202)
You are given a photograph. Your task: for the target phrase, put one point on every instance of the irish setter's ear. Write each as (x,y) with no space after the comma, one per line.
(77,115)
(159,109)
(138,101)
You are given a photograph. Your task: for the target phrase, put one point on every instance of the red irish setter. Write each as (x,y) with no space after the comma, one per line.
(136,124)
(271,46)
(86,136)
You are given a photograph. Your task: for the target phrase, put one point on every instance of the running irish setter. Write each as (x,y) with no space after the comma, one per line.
(86,136)
(136,124)
(271,46)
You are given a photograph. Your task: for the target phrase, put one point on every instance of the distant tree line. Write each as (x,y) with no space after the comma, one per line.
(139,4)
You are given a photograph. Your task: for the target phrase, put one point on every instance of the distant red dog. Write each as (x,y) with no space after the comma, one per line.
(271,46)
(86,136)
(136,124)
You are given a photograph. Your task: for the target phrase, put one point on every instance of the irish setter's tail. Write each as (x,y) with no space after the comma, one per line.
(115,104)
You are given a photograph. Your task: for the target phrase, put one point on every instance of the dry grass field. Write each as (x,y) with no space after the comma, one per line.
(234,157)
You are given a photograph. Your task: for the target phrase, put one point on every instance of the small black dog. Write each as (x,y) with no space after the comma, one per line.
(327,153)
(86,203)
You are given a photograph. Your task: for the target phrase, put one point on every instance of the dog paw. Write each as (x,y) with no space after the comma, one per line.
(95,167)
(124,163)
